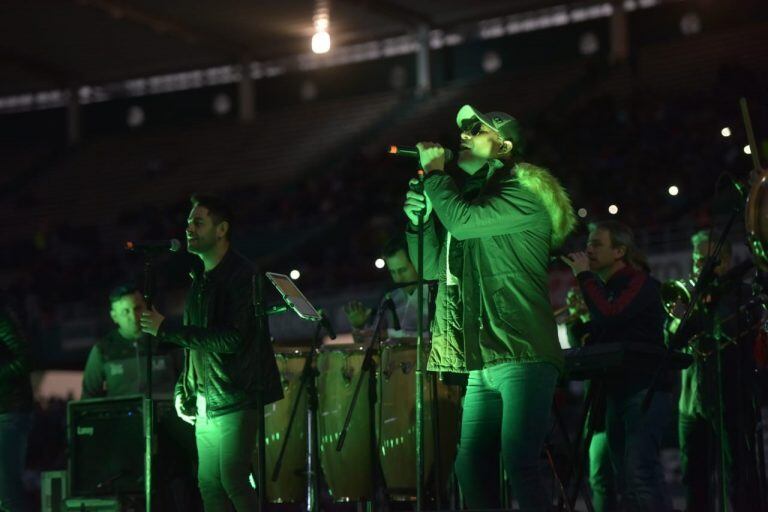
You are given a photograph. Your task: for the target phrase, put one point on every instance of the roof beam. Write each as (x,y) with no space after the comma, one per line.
(167,26)
(42,69)
(393,11)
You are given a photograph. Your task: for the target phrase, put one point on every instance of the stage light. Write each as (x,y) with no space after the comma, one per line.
(379,263)
(747,150)
(295,274)
(582,212)
(613,209)
(725,132)
(673,190)
(321,42)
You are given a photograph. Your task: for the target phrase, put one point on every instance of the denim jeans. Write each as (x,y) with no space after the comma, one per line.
(14,431)
(602,479)
(506,411)
(225,447)
(634,439)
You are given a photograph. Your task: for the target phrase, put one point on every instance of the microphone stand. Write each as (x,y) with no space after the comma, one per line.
(368,366)
(420,356)
(148,404)
(262,329)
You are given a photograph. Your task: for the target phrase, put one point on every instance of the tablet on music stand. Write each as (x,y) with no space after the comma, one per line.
(293,297)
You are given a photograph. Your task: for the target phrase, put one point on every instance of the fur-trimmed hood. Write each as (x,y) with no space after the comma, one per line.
(556,200)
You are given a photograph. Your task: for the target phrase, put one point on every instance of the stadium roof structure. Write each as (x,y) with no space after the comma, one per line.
(63,43)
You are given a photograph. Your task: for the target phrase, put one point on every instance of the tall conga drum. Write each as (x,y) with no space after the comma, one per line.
(396,423)
(290,486)
(348,473)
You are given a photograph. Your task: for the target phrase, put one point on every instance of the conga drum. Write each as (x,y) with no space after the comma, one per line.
(396,423)
(347,472)
(290,486)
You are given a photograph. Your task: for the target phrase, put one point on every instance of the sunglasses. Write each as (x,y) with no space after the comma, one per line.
(472,127)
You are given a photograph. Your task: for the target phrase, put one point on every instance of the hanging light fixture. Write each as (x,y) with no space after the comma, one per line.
(321,41)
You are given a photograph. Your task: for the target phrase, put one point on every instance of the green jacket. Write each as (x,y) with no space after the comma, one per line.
(490,257)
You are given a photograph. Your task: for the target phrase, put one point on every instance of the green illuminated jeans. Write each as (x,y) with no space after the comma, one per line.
(602,478)
(506,410)
(225,445)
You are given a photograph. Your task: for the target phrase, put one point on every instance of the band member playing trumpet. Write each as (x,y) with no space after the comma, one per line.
(625,306)
(718,323)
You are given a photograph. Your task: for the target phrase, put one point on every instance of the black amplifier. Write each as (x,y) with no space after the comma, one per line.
(105,437)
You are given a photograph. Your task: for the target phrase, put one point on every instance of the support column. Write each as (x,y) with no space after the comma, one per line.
(619,33)
(246,93)
(73,116)
(423,66)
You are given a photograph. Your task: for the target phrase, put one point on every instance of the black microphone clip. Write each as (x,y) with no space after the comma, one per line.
(390,305)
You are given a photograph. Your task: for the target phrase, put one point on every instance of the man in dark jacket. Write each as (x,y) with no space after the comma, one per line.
(228,362)
(116,365)
(493,319)
(15,410)
(624,304)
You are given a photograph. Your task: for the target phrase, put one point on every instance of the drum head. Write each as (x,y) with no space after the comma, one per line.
(757,219)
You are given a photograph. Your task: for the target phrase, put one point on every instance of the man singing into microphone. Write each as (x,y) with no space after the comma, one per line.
(228,362)
(493,318)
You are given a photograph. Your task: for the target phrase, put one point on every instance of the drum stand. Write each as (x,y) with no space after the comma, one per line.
(309,383)
(378,485)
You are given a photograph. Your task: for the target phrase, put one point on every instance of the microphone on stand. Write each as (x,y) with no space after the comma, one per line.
(172,245)
(412,152)
(390,305)
(325,322)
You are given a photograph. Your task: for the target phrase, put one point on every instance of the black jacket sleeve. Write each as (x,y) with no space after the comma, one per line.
(235,320)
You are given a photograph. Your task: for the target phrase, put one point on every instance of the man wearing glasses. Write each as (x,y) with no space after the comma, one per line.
(489,245)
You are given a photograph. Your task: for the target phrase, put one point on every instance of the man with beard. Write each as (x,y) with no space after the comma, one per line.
(229,361)
(403,297)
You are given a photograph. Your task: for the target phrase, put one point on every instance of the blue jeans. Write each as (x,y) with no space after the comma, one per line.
(14,430)
(506,410)
(634,439)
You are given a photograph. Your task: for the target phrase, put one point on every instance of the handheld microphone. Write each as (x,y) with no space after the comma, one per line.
(172,245)
(390,305)
(412,152)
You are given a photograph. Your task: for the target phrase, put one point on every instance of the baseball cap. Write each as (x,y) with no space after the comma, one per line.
(500,122)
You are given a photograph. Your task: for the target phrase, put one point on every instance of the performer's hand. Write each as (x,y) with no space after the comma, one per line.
(431,156)
(150,321)
(180,412)
(415,203)
(357,314)
(578,261)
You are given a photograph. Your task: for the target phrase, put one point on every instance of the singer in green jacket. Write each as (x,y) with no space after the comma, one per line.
(488,244)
